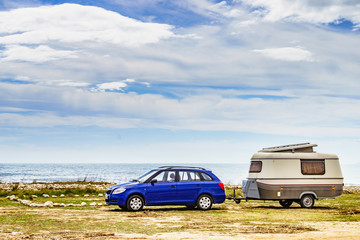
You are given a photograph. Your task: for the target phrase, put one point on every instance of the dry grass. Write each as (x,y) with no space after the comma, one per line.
(253,219)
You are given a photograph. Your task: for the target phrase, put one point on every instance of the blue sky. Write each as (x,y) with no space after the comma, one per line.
(177,81)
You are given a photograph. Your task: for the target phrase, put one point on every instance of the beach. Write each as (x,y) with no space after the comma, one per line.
(77,211)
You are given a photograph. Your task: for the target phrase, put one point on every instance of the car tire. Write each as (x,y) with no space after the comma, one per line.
(190,206)
(135,203)
(307,201)
(123,207)
(204,202)
(285,203)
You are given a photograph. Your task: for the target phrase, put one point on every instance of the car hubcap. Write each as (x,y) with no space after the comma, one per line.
(205,202)
(135,203)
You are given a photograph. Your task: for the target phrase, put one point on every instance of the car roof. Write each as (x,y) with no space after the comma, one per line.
(183,168)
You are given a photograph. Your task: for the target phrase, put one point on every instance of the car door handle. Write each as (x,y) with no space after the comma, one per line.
(173,186)
(198,185)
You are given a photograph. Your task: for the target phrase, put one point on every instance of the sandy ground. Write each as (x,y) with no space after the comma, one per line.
(254,230)
(326,230)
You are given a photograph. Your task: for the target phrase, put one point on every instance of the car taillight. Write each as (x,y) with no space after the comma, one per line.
(221,185)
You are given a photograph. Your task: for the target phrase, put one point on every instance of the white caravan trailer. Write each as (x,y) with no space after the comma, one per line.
(293,173)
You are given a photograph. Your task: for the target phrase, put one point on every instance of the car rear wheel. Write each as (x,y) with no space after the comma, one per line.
(285,203)
(135,203)
(307,201)
(204,202)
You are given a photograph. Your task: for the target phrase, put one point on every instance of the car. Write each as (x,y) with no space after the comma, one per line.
(169,185)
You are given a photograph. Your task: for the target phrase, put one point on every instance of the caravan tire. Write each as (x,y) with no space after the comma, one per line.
(285,203)
(307,201)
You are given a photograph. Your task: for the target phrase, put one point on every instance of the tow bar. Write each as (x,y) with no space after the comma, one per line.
(233,197)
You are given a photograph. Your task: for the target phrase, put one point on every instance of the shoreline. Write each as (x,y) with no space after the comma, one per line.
(37,186)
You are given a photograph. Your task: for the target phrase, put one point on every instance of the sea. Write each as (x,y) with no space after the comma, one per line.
(118,173)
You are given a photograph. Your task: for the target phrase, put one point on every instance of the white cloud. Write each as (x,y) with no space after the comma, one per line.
(111,86)
(38,54)
(307,10)
(286,54)
(308,114)
(72,23)
(129,80)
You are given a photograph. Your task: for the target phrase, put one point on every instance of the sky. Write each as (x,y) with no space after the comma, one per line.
(186,81)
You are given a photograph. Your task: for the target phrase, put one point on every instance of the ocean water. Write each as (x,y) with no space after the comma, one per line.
(228,173)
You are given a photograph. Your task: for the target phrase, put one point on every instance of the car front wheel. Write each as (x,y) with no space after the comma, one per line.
(204,202)
(135,203)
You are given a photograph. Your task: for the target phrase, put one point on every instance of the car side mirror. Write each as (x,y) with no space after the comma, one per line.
(153,181)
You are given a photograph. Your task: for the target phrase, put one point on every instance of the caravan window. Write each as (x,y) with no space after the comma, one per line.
(313,167)
(255,166)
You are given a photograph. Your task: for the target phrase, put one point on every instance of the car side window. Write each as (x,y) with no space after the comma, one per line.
(160,177)
(189,176)
(169,176)
(184,176)
(195,176)
(206,177)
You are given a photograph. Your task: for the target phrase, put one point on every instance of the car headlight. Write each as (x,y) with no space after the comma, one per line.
(119,190)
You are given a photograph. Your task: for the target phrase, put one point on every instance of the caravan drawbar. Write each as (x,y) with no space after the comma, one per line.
(293,173)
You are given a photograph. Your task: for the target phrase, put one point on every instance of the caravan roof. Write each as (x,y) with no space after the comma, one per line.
(292,151)
(301,147)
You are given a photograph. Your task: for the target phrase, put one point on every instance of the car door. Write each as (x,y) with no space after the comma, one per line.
(163,191)
(188,187)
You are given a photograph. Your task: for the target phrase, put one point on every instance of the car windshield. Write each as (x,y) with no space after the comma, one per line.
(144,177)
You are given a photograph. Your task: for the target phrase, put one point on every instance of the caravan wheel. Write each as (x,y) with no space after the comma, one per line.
(307,201)
(285,203)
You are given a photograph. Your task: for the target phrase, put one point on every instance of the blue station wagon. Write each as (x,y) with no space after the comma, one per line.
(169,185)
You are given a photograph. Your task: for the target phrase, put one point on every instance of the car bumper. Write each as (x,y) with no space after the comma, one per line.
(219,198)
(115,199)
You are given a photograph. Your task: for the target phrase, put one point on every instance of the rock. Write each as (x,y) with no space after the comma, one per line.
(83,204)
(62,204)
(54,196)
(76,195)
(100,195)
(49,204)
(86,195)
(25,202)
(45,195)
(13,198)
(37,205)
(93,204)
(56,204)
(33,196)
(99,204)
(62,195)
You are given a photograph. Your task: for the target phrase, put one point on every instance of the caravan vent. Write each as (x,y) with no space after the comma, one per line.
(300,147)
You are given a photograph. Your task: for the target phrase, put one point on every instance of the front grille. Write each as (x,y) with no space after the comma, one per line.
(108,191)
